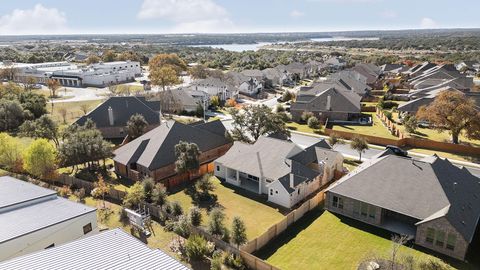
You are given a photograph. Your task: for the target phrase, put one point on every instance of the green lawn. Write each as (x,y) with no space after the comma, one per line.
(321,240)
(258,217)
(351,164)
(303,128)
(377,129)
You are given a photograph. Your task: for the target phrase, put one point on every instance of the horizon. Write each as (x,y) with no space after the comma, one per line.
(54,17)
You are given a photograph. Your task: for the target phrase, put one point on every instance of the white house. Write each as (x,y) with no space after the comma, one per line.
(33,218)
(279,168)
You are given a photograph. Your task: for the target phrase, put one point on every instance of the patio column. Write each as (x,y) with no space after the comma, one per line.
(259,185)
(237,175)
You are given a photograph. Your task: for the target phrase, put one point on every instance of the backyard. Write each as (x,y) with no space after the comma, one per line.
(322,240)
(258,217)
(74,109)
(377,129)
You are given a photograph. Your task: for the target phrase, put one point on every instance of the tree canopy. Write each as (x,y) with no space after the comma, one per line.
(43,127)
(187,157)
(39,158)
(454,112)
(136,126)
(254,121)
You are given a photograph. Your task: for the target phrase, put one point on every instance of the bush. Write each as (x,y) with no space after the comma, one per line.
(195,216)
(148,186)
(286,117)
(135,196)
(196,248)
(177,209)
(230,103)
(305,116)
(287,96)
(388,114)
(204,186)
(233,261)
(182,227)
(64,191)
(280,108)
(217,260)
(159,195)
(80,194)
(313,122)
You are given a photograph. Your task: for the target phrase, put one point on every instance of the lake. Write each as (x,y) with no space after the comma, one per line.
(257,46)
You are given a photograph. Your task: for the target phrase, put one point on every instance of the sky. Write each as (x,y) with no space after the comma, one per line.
(23,17)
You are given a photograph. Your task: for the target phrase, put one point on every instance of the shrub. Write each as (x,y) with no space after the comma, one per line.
(159,195)
(217,260)
(286,117)
(204,186)
(287,95)
(305,116)
(313,122)
(148,186)
(135,196)
(182,227)
(196,248)
(388,114)
(233,261)
(195,216)
(80,194)
(230,103)
(64,191)
(177,209)
(280,108)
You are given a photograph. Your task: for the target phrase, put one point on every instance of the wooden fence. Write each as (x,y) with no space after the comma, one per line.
(275,230)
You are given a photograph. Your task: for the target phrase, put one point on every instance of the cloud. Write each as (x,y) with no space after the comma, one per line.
(39,20)
(189,16)
(388,14)
(296,14)
(428,23)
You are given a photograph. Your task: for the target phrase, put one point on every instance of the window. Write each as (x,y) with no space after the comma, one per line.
(218,168)
(340,203)
(356,207)
(430,235)
(371,211)
(87,228)
(298,192)
(451,241)
(440,238)
(364,209)
(271,192)
(335,201)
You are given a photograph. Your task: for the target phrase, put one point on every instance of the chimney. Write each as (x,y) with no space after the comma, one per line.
(292,185)
(329,102)
(110,116)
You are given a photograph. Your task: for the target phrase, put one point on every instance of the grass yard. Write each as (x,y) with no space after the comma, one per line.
(377,129)
(74,109)
(351,164)
(258,217)
(321,240)
(303,128)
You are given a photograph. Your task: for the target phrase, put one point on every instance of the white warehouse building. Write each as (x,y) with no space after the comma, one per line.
(67,74)
(33,218)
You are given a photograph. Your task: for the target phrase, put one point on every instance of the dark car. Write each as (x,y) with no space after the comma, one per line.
(397,150)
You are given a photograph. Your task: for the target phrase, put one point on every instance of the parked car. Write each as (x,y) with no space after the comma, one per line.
(397,150)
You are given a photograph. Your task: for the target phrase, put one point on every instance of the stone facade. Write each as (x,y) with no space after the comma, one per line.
(442,225)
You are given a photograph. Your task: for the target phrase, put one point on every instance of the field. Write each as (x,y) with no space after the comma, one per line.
(257,216)
(322,240)
(74,110)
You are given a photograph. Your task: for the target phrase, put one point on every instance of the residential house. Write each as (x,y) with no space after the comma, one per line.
(215,87)
(351,80)
(444,75)
(247,85)
(412,106)
(336,63)
(276,77)
(112,249)
(112,115)
(153,154)
(176,100)
(33,218)
(431,200)
(370,71)
(279,168)
(327,100)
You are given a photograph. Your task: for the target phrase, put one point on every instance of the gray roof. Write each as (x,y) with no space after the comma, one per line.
(123,108)
(276,159)
(113,249)
(370,71)
(34,209)
(14,191)
(156,148)
(424,190)
(315,99)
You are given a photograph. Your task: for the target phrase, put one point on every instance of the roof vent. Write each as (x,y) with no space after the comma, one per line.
(455,186)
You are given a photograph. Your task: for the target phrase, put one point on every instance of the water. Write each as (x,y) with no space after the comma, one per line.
(257,46)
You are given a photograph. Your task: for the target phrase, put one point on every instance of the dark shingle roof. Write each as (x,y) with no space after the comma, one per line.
(123,108)
(424,190)
(156,148)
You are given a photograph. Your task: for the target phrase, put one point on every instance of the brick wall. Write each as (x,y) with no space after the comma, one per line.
(444,225)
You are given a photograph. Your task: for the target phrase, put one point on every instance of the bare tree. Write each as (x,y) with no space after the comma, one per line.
(397,242)
(63,112)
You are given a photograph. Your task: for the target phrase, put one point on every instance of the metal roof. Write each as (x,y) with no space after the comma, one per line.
(113,249)
(14,191)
